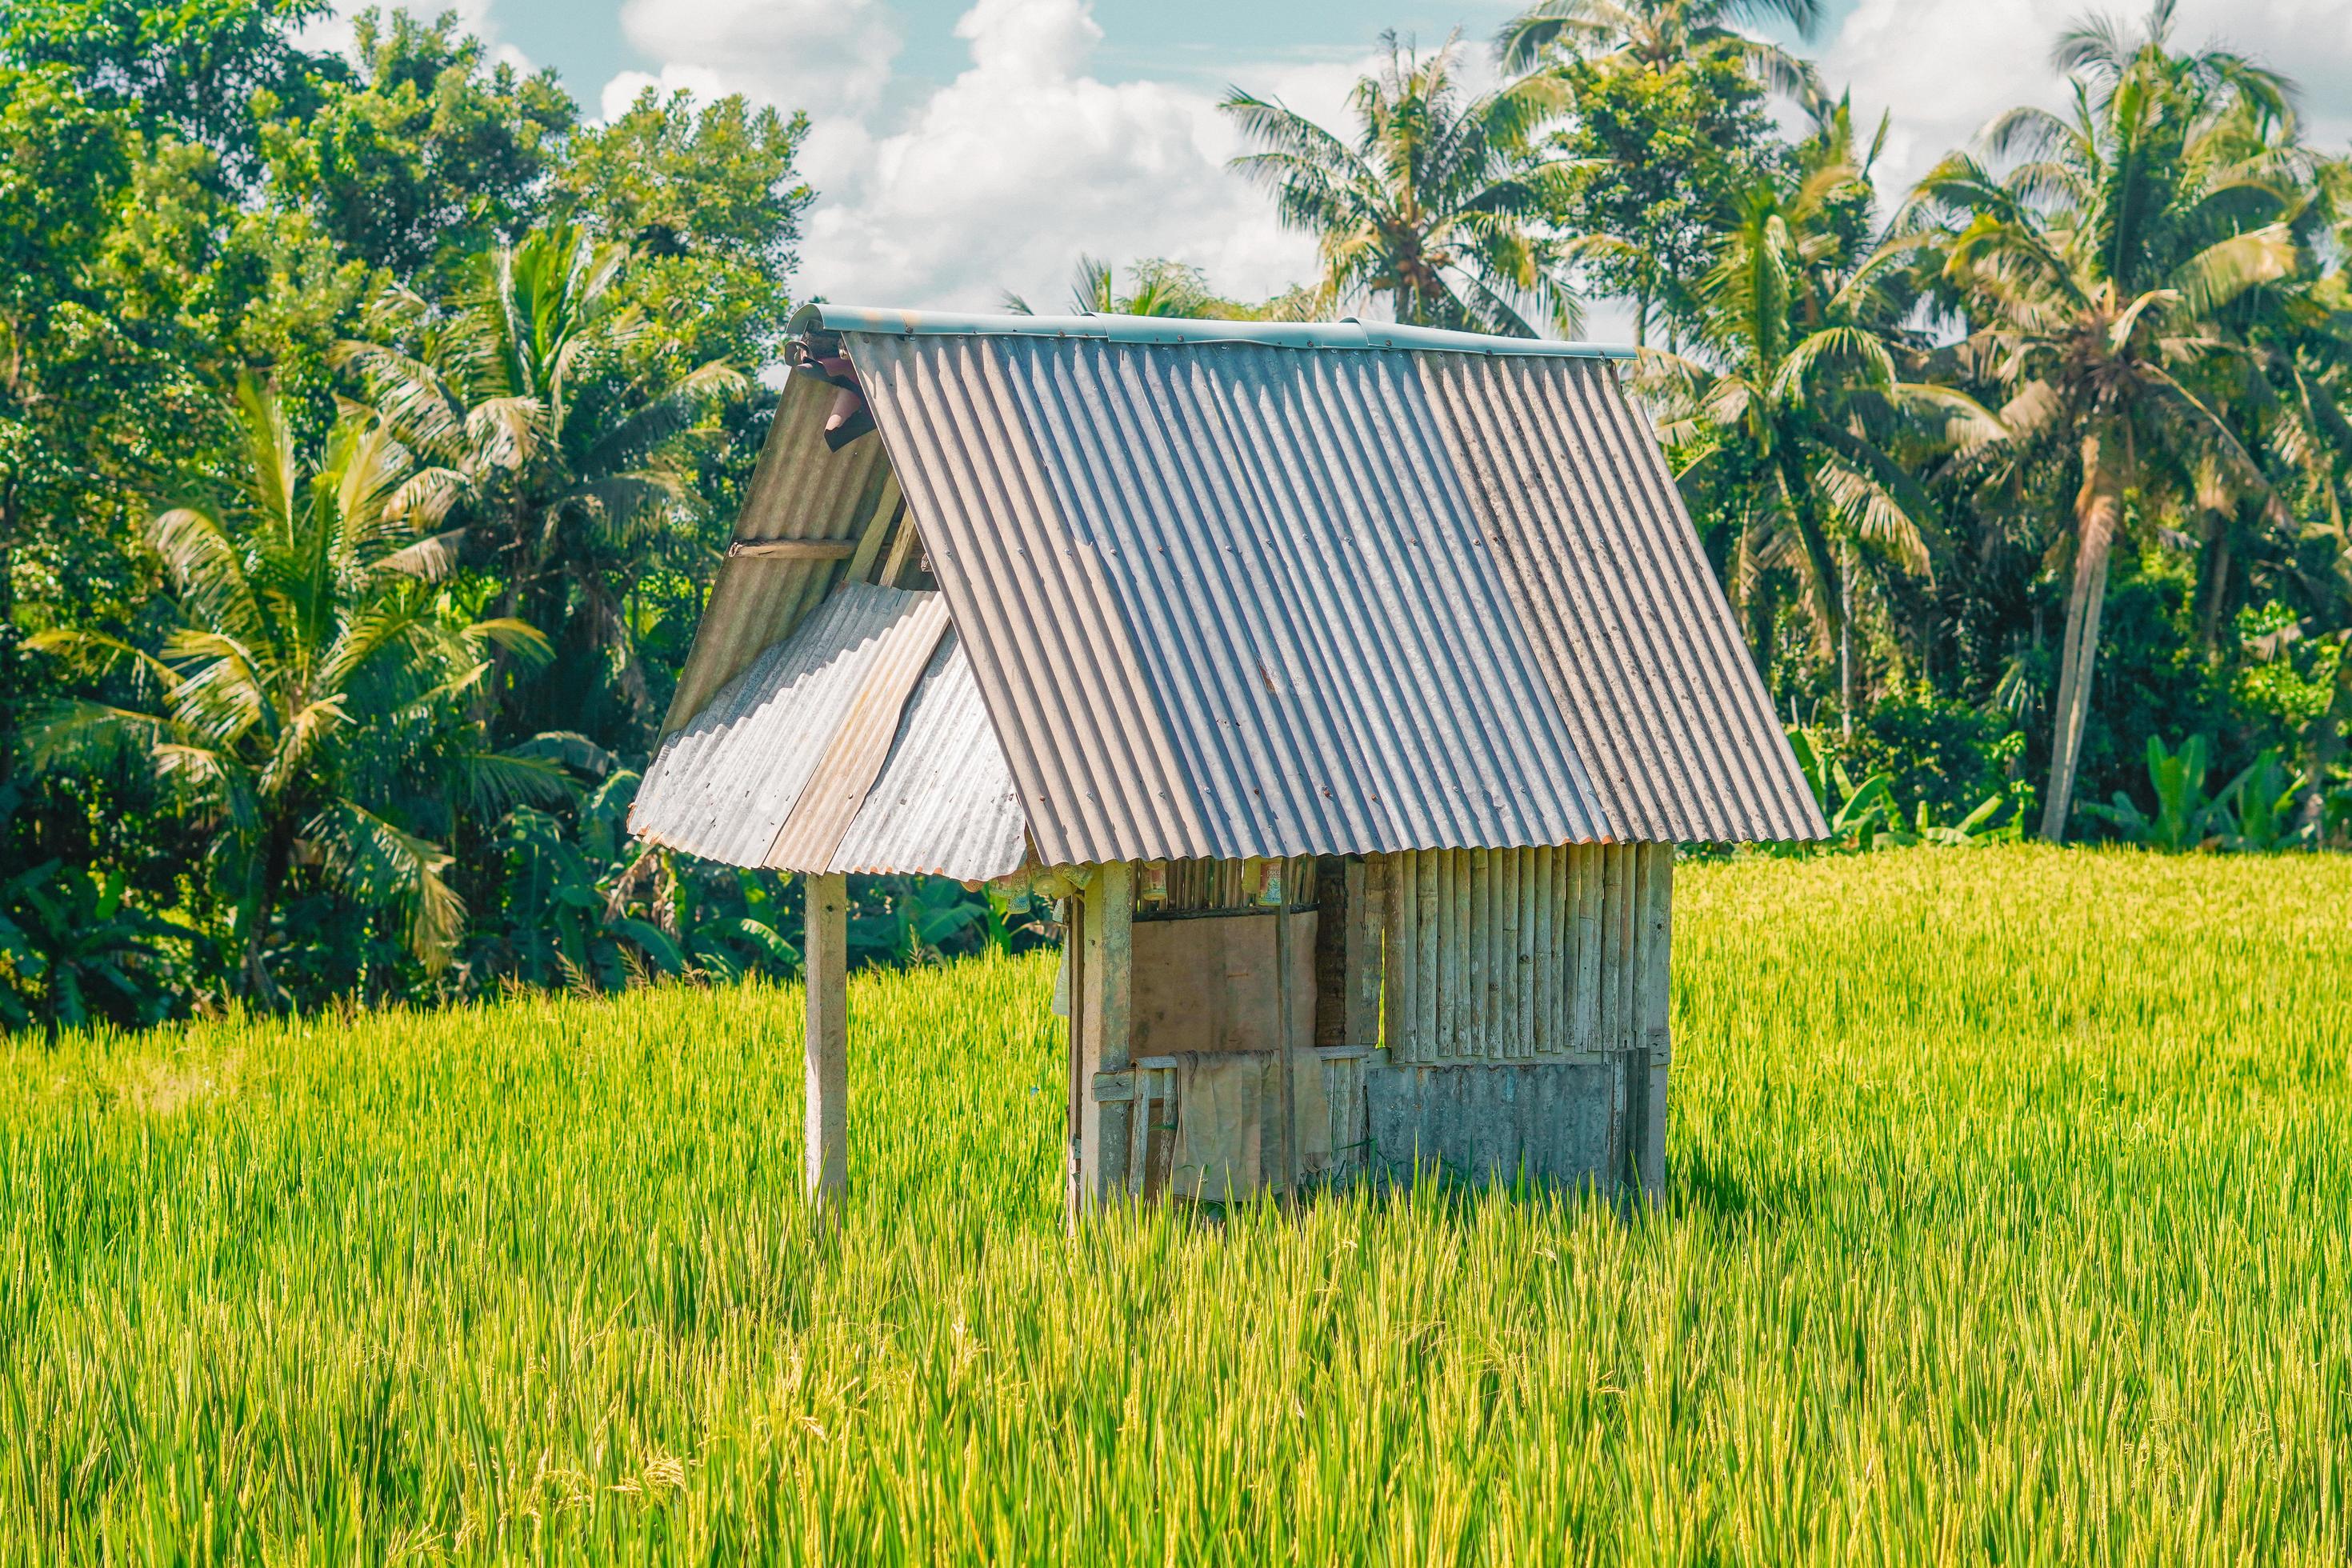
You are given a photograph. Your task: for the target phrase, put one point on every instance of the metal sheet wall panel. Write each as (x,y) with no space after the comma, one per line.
(1603,567)
(722,787)
(854,755)
(945,803)
(800,489)
(1549,1122)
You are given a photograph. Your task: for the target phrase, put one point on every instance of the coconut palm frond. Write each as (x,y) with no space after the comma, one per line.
(377,863)
(663,419)
(2223,272)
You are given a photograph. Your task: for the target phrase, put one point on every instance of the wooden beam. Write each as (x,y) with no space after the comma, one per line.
(792,549)
(877,528)
(902,549)
(1400,951)
(1102,1022)
(825,953)
(1286,1055)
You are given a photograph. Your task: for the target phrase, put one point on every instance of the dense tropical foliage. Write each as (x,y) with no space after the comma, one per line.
(371,423)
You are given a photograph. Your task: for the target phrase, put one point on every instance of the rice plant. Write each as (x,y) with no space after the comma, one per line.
(2011,1221)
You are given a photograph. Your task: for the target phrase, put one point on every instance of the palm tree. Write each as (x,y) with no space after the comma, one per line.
(1436,205)
(1163,288)
(1800,377)
(1661,34)
(569,463)
(312,696)
(2099,267)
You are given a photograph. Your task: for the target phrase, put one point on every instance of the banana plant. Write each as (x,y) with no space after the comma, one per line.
(1858,815)
(593,910)
(2255,812)
(1971,832)
(74,949)
(2184,812)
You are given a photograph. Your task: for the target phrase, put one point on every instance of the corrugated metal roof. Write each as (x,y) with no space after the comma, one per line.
(799,489)
(1606,573)
(1110,328)
(727,785)
(1223,598)
(853,758)
(1272,543)
(1272,603)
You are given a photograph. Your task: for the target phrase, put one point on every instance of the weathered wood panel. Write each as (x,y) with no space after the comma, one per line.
(1657,1016)
(1206,982)
(1151,1087)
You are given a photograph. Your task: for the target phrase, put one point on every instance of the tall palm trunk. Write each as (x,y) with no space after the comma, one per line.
(265,881)
(2098,509)
(1845,639)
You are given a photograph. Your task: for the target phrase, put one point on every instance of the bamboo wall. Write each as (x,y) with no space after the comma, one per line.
(1195,887)
(1525,954)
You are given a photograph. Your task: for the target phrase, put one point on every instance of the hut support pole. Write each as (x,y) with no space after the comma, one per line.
(1284,1054)
(1102,1028)
(826,1139)
(1657,1036)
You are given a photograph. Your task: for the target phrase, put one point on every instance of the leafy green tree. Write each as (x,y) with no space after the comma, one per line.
(1436,205)
(313,695)
(191,67)
(63,164)
(571,478)
(2097,271)
(708,201)
(1670,130)
(427,154)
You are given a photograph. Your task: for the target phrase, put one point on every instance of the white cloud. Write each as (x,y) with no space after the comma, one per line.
(1001,177)
(333,30)
(1948,67)
(822,55)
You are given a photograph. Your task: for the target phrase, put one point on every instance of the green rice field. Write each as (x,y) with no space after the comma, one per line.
(2011,1221)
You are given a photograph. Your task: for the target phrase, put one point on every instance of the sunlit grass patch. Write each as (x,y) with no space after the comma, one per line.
(2011,1216)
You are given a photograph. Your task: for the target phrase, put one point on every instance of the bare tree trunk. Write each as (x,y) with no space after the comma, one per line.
(1846,640)
(2216,588)
(2327,745)
(2098,507)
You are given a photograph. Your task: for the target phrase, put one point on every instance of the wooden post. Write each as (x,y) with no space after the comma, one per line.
(1284,1057)
(1657,998)
(1367,892)
(1103,1024)
(825,1142)
(1074,1007)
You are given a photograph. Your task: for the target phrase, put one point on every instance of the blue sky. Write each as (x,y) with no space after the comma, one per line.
(964,147)
(1143,39)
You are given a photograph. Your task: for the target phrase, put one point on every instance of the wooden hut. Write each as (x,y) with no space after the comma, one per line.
(1349,686)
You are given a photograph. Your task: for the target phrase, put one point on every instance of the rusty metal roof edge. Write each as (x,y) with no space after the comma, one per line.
(1167,330)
